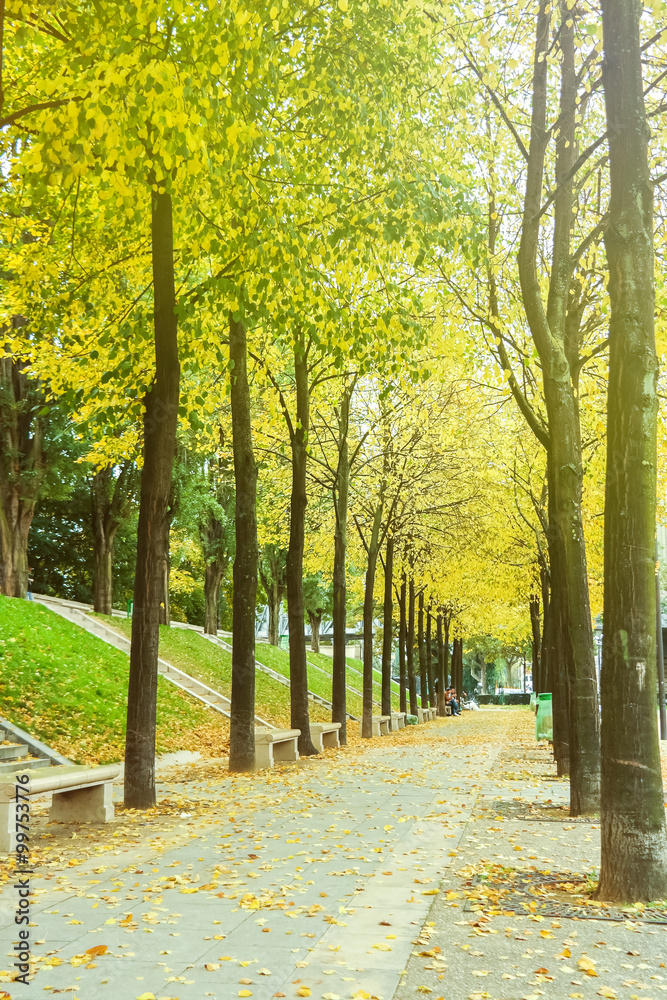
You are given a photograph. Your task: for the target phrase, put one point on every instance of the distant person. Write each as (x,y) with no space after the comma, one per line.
(30,582)
(450,699)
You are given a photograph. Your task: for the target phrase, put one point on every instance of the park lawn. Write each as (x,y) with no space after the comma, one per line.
(191,652)
(69,689)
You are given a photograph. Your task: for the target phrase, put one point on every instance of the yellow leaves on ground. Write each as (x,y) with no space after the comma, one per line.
(587,965)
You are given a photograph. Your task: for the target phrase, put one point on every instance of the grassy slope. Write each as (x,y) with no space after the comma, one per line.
(318,683)
(189,651)
(354,676)
(69,689)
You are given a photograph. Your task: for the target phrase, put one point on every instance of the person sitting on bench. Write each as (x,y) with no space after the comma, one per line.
(450,699)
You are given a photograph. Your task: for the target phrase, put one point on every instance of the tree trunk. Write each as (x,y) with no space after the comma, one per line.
(21,474)
(341,493)
(558,349)
(373,552)
(411,649)
(110,497)
(447,660)
(159,447)
(546,603)
(295,607)
(441,669)
(558,650)
(387,634)
(423,679)
(633,837)
(275,602)
(213,574)
(242,722)
(402,642)
(315,622)
(430,672)
(537,642)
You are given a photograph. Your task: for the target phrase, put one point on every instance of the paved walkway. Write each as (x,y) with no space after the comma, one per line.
(321,879)
(311,878)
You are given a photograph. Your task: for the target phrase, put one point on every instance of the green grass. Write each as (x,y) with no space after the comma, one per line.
(355,679)
(69,689)
(197,656)
(318,683)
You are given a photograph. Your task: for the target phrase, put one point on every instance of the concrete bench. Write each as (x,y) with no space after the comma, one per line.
(325,735)
(397,721)
(81,794)
(380,725)
(426,714)
(275,746)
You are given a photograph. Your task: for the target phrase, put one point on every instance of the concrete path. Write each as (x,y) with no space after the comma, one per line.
(345,876)
(313,880)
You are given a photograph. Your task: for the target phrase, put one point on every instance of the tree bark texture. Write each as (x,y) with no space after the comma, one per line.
(633,838)
(159,448)
(430,670)
(441,669)
(111,493)
(242,722)
(555,333)
(387,634)
(341,495)
(537,643)
(272,570)
(412,684)
(298,667)
(21,474)
(421,645)
(402,642)
(371,567)
(315,622)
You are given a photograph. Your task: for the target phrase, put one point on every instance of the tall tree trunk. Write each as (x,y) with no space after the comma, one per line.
(633,837)
(546,602)
(315,622)
(411,649)
(423,678)
(387,634)
(242,722)
(441,669)
(341,493)
(295,606)
(275,602)
(159,448)
(402,643)
(21,474)
(430,673)
(371,567)
(557,346)
(537,642)
(558,651)
(213,574)
(447,661)
(110,497)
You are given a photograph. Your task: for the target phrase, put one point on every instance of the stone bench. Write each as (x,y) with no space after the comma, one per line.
(325,735)
(380,725)
(426,714)
(397,721)
(275,746)
(81,794)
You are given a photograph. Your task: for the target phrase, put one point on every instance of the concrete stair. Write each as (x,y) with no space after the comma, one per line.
(14,756)
(78,615)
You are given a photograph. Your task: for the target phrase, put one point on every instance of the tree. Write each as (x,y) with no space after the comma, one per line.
(112,492)
(633,837)
(272,569)
(242,725)
(22,467)
(317,599)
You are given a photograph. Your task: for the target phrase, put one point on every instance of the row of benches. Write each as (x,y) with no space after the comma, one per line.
(85,794)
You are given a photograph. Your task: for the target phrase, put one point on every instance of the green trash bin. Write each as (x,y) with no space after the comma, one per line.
(544,720)
(411,720)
